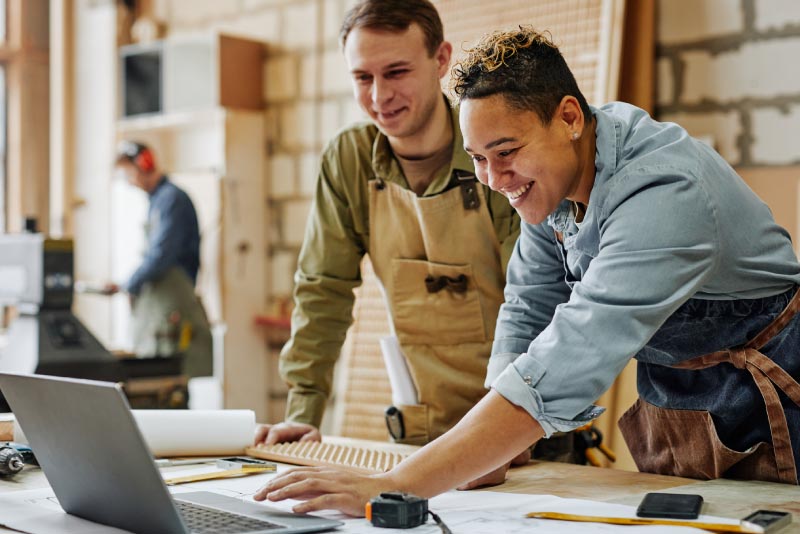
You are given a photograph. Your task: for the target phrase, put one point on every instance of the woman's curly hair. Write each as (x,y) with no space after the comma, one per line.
(524,66)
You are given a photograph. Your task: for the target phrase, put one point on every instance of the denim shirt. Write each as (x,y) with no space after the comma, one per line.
(668,220)
(173,237)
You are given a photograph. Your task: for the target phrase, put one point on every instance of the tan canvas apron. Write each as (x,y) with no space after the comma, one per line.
(685,442)
(438,259)
(168,319)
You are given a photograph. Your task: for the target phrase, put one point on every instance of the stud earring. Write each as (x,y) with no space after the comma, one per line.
(575,136)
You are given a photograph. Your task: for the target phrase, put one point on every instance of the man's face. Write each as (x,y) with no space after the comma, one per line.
(533,165)
(132,174)
(395,81)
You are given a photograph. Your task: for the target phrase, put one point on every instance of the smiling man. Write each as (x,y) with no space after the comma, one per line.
(401,189)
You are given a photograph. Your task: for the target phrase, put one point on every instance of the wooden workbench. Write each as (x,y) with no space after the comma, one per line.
(724,498)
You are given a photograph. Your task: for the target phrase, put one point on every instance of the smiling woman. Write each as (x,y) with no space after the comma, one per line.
(659,268)
(525,132)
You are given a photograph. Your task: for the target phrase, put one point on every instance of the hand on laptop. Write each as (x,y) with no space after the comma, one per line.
(325,488)
(286,431)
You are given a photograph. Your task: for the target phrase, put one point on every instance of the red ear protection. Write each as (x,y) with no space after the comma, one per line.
(144,160)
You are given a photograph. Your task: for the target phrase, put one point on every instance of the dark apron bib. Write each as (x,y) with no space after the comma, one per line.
(685,442)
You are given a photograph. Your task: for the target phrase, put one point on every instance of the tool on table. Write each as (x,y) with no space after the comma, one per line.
(13,457)
(590,438)
(400,510)
(169,462)
(11,461)
(742,527)
(232,467)
(769,520)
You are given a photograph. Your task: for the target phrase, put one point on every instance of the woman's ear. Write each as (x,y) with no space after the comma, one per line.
(569,112)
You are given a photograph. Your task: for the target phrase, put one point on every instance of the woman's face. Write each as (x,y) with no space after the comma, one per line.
(534,166)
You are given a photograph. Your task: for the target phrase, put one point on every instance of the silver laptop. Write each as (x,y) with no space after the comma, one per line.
(96,460)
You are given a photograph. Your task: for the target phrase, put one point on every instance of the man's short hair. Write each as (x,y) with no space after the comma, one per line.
(395,16)
(522,65)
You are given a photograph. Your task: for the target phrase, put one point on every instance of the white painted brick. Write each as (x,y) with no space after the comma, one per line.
(665,88)
(283,266)
(262,26)
(333,14)
(185,12)
(335,73)
(775,136)
(722,128)
(280,77)
(161,9)
(300,26)
(297,125)
(329,122)
(747,72)
(258,4)
(309,171)
(295,214)
(681,21)
(282,171)
(775,14)
(309,84)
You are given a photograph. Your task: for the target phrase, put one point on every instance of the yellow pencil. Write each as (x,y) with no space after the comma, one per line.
(743,526)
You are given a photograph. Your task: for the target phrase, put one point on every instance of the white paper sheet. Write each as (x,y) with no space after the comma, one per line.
(403,389)
(196,432)
(465,512)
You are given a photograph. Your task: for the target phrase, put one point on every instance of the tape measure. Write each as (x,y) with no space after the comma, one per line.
(400,510)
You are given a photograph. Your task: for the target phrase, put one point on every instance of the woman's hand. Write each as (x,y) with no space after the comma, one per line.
(324,488)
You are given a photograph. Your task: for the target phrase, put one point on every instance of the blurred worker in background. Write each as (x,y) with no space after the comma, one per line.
(168,317)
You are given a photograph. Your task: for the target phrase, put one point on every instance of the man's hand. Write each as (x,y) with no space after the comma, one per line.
(498,476)
(324,488)
(286,431)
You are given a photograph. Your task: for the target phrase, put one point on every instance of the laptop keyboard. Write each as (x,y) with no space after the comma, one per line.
(202,520)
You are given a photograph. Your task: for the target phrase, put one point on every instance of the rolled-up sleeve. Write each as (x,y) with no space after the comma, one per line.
(658,245)
(534,287)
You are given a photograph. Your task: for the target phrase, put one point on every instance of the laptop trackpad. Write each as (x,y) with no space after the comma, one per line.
(257,511)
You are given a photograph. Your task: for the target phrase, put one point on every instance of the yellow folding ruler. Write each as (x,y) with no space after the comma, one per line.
(232,467)
(743,527)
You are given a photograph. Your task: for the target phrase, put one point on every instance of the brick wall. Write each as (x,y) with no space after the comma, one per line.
(727,70)
(307,87)
(307,97)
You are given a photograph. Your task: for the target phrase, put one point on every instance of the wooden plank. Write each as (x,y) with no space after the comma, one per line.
(6,431)
(636,79)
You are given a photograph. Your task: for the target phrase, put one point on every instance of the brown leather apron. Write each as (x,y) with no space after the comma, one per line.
(438,259)
(685,442)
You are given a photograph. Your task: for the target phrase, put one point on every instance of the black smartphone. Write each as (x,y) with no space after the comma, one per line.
(670,506)
(769,520)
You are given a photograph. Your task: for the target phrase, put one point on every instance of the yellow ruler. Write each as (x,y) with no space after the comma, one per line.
(744,527)
(214,475)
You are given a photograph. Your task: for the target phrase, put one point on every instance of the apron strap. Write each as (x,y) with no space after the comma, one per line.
(778,324)
(766,374)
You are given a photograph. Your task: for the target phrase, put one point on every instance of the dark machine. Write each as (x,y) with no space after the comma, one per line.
(36,278)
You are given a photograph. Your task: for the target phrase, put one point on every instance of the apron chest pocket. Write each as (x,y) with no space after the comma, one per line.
(435,303)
